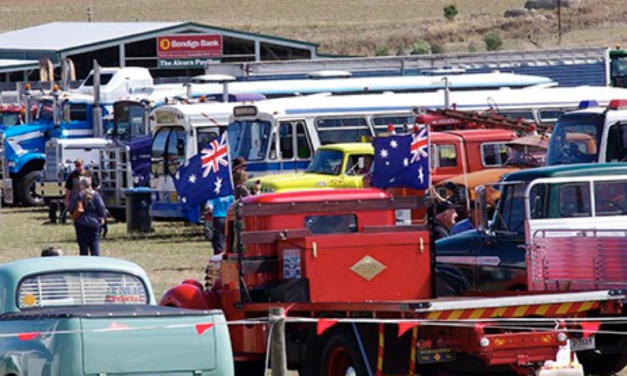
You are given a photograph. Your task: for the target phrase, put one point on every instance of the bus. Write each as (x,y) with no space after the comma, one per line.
(277,136)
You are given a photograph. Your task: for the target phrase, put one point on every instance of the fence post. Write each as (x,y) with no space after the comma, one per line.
(278,355)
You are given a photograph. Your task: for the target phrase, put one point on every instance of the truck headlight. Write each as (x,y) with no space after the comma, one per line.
(11,164)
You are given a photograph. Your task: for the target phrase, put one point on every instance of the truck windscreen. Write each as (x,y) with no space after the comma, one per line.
(576,139)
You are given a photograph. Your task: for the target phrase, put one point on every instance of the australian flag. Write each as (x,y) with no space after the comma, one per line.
(402,161)
(206,175)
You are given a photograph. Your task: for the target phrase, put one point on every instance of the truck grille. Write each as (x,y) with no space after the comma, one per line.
(51,168)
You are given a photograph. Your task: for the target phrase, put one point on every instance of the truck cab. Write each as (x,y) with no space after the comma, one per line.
(493,258)
(591,135)
(333,166)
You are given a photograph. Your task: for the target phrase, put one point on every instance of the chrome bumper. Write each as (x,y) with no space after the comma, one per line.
(51,189)
(6,191)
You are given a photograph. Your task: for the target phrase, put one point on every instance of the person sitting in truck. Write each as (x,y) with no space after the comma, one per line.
(445,216)
(469,223)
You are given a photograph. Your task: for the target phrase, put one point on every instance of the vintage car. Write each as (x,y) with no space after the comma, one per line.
(72,315)
(333,166)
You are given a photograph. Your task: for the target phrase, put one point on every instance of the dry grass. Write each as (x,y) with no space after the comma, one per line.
(356,27)
(175,251)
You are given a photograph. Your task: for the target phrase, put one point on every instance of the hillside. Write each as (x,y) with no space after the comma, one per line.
(352,27)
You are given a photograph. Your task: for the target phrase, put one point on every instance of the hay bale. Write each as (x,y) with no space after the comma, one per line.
(516,12)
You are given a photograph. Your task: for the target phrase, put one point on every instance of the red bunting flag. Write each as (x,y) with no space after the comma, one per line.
(590,327)
(28,336)
(201,328)
(115,326)
(324,324)
(404,326)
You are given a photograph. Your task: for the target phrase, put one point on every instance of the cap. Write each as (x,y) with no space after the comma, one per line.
(79,161)
(444,206)
(238,163)
(450,186)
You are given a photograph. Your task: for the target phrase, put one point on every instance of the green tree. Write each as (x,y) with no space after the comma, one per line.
(382,51)
(450,12)
(421,47)
(493,41)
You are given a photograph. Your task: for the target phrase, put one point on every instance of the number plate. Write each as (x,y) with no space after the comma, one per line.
(580,344)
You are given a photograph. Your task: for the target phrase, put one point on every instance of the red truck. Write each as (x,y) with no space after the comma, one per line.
(335,259)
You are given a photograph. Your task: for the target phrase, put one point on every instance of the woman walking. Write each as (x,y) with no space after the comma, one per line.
(89,214)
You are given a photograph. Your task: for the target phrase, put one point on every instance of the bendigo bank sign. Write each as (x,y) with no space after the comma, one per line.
(189,46)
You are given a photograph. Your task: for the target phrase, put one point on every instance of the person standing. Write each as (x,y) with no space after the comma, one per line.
(71,183)
(219,208)
(89,213)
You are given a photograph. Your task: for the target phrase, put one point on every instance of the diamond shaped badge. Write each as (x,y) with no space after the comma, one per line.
(368,268)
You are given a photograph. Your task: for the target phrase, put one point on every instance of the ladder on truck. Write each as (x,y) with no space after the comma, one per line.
(446,119)
(116,175)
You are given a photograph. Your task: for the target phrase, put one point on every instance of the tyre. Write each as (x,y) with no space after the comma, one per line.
(450,281)
(26,190)
(119,214)
(341,356)
(602,364)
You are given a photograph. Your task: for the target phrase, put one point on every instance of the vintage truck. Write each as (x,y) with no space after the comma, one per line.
(359,292)
(454,152)
(558,228)
(97,316)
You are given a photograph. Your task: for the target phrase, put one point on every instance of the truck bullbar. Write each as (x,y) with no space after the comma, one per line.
(116,174)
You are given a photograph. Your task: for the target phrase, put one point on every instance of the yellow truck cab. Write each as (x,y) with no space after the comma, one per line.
(333,166)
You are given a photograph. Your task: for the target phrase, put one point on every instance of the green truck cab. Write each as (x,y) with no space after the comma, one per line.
(98,316)
(333,166)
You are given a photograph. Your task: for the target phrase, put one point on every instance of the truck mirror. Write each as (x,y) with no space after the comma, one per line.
(481,207)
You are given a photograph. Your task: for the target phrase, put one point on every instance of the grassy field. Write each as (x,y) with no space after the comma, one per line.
(175,251)
(356,27)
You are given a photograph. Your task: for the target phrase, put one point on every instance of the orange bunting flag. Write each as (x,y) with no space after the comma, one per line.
(403,327)
(324,324)
(201,328)
(115,326)
(28,336)
(590,327)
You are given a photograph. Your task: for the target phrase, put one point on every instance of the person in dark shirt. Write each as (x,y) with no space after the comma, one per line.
(445,216)
(71,183)
(88,222)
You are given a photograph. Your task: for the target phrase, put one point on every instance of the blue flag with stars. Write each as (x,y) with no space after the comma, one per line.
(206,175)
(402,161)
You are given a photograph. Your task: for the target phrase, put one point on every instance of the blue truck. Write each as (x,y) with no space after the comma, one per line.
(73,315)
(69,114)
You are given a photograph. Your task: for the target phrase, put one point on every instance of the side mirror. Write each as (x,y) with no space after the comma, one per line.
(482,208)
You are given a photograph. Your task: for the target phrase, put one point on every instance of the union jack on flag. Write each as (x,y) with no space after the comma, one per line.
(419,145)
(206,175)
(402,161)
(217,154)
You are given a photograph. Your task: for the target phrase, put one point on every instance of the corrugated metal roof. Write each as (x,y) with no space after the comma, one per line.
(11,63)
(58,36)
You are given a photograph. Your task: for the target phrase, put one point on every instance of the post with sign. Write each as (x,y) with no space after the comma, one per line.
(181,51)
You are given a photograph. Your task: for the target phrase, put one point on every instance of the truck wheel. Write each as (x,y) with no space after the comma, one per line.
(602,364)
(118,214)
(341,356)
(26,190)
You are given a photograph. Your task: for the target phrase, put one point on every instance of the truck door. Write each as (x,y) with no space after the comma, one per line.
(500,263)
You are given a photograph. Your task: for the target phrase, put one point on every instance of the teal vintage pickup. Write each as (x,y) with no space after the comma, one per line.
(98,316)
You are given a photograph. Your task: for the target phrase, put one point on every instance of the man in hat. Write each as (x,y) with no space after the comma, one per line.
(445,216)
(71,183)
